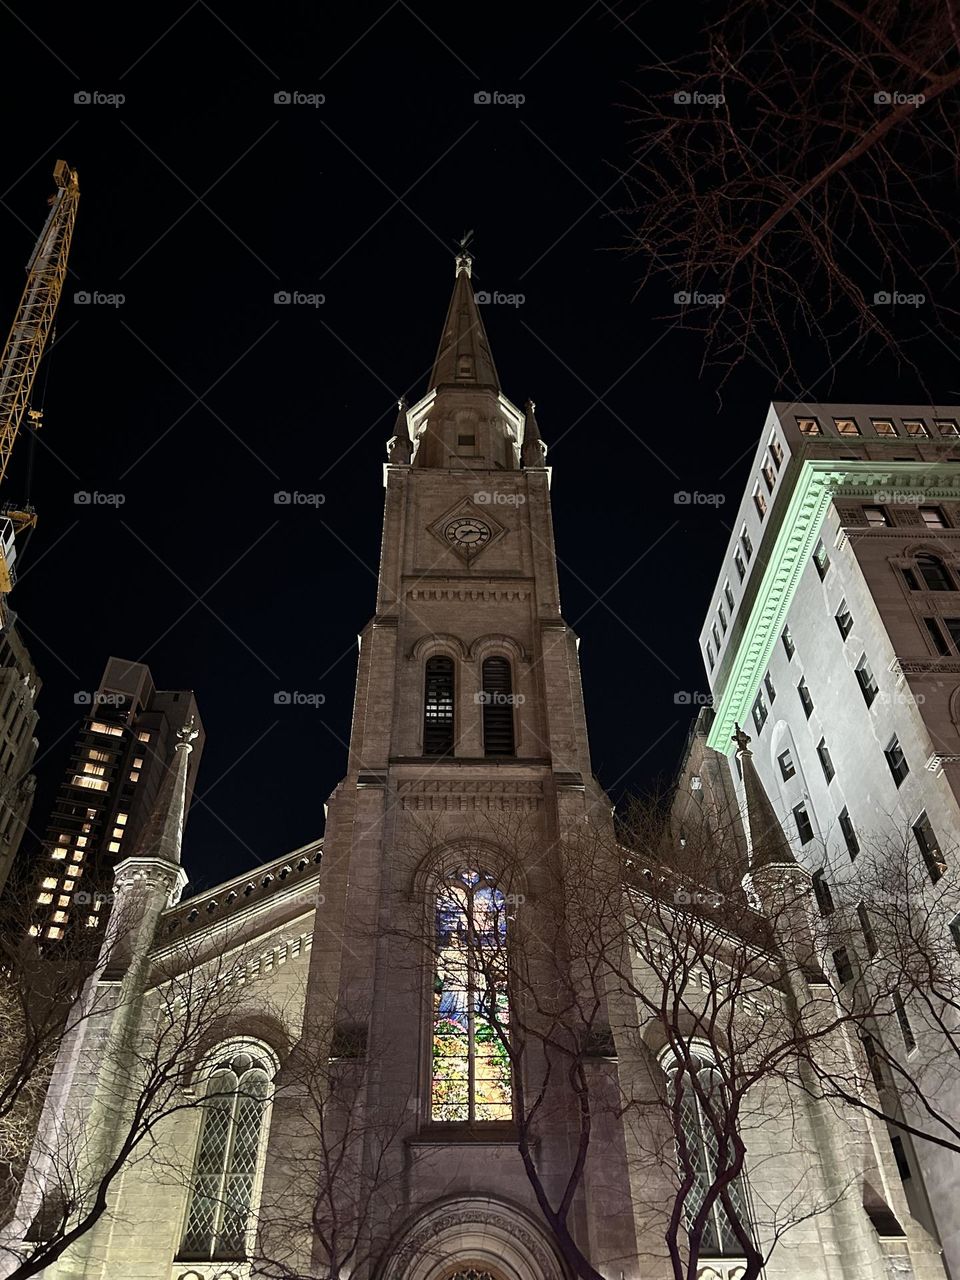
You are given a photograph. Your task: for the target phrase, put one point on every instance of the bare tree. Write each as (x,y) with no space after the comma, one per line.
(796,177)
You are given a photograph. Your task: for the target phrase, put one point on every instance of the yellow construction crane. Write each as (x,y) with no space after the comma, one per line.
(25,346)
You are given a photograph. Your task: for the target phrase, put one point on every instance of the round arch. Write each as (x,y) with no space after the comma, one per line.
(494,643)
(483,1235)
(440,642)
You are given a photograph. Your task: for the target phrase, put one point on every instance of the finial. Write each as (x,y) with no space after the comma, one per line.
(533,451)
(400,446)
(743,742)
(464,258)
(188,734)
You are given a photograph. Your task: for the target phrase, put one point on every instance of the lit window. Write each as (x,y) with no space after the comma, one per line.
(68,885)
(808,426)
(96,784)
(769,476)
(821,559)
(143,737)
(34,931)
(789,647)
(92,922)
(884,426)
(471,1066)
(54,932)
(849,834)
(134,776)
(63,838)
(121,819)
(97,726)
(929,848)
(896,760)
(74,870)
(227,1158)
(866,680)
(759,712)
(846,426)
(97,770)
(787,767)
(82,842)
(91,813)
(92,754)
(60,917)
(113,846)
(138,763)
(914,426)
(876,517)
(933,517)
(438,707)
(946,426)
(59,854)
(776,452)
(844,619)
(50,882)
(44,898)
(759,501)
(804,825)
(826,764)
(698,1099)
(118,833)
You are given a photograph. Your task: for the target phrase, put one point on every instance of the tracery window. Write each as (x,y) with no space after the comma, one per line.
(227,1158)
(471,1067)
(698,1152)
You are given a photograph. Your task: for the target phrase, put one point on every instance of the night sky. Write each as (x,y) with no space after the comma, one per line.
(198,398)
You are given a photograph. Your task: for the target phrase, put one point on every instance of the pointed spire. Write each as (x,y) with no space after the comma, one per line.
(162,833)
(769,846)
(534,451)
(463,357)
(400,446)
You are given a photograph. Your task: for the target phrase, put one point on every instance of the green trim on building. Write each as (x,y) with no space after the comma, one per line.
(819,482)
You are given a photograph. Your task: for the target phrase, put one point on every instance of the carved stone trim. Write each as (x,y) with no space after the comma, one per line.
(460,795)
(468,593)
(417,1255)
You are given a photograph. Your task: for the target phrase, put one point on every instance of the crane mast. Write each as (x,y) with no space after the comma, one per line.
(26,343)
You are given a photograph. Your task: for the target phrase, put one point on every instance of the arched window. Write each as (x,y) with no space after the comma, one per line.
(471,1066)
(438,707)
(498,700)
(698,1155)
(934,572)
(226,1163)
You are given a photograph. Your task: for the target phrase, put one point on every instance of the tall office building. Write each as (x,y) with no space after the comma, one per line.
(119,759)
(19,686)
(833,636)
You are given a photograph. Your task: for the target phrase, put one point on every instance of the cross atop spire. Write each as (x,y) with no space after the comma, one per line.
(463,357)
(464,259)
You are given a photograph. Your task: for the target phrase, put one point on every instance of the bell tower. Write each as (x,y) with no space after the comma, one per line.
(468,736)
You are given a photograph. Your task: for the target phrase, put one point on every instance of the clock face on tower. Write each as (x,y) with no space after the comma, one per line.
(467,533)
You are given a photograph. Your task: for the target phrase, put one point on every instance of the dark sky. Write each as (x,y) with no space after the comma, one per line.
(198,398)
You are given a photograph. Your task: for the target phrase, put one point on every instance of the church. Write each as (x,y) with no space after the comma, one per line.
(389,1053)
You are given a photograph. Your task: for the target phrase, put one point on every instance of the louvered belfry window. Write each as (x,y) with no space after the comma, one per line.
(438,707)
(497,708)
(226,1162)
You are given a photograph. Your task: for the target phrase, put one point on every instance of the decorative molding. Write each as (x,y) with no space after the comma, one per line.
(819,482)
(722,1269)
(461,795)
(468,593)
(470,1219)
(210,1271)
(436,641)
(498,641)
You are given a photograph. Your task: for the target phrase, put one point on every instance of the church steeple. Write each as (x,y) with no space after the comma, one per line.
(769,846)
(463,357)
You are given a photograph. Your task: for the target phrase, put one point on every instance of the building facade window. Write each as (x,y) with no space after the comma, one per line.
(770,687)
(728,596)
(821,891)
(471,1078)
(866,928)
(849,833)
(776,452)
(438,706)
(953,628)
(710,661)
(741,567)
(876,517)
(929,848)
(787,767)
(700,1103)
(903,1019)
(936,636)
(808,426)
(804,825)
(914,427)
(821,559)
(789,647)
(896,760)
(946,426)
(746,542)
(933,572)
(806,700)
(933,517)
(219,1220)
(866,680)
(846,426)
(841,962)
(826,764)
(844,620)
(759,713)
(884,426)
(498,700)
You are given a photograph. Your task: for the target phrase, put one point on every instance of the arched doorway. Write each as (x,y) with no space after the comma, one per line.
(473,1240)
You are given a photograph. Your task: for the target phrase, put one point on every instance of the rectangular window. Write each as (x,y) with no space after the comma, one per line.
(914,426)
(723,618)
(826,764)
(846,426)
(806,701)
(896,760)
(759,501)
(909,1039)
(745,542)
(929,847)
(468,440)
(933,517)
(769,476)
(955,931)
(716,636)
(821,891)
(849,833)
(134,776)
(789,647)
(804,825)
(759,712)
(738,561)
(710,661)
(936,635)
(787,767)
(769,686)
(821,559)
(866,680)
(876,517)
(953,626)
(946,426)
(844,619)
(143,736)
(728,596)
(900,1155)
(866,928)
(884,426)
(808,426)
(841,961)
(776,452)
(97,726)
(96,784)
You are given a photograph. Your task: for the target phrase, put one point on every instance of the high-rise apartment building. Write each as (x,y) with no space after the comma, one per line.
(120,756)
(833,637)
(19,686)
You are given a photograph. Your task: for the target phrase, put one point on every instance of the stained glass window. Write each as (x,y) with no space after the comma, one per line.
(226,1161)
(700,1156)
(471,1066)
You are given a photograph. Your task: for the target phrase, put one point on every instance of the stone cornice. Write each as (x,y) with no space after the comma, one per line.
(820,481)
